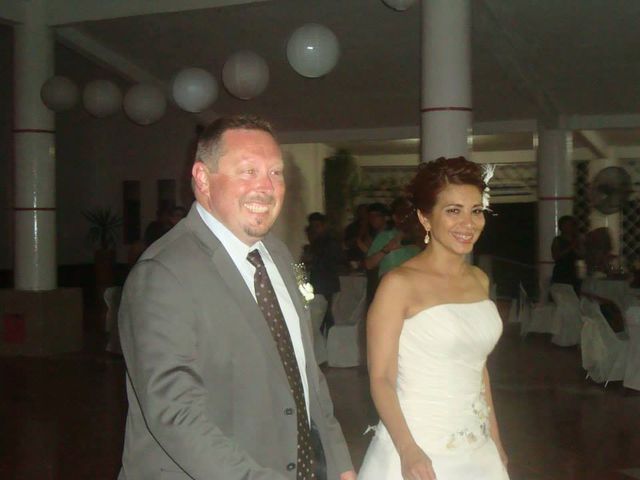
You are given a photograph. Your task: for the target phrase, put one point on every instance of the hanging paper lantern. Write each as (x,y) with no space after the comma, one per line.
(207,117)
(399,5)
(194,89)
(313,50)
(245,75)
(59,94)
(144,104)
(101,98)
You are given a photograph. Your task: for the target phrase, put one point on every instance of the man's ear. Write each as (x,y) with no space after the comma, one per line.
(200,174)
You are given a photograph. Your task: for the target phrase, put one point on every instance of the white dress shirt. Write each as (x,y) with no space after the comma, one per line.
(238,251)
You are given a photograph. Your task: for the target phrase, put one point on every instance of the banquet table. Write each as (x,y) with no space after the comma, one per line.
(616,290)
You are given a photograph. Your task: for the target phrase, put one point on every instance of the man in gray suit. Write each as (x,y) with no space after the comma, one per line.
(221,378)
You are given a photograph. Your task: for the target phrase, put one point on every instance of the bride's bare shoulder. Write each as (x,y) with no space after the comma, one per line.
(402,278)
(480,276)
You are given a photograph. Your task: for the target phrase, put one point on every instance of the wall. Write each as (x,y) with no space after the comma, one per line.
(94,156)
(303,174)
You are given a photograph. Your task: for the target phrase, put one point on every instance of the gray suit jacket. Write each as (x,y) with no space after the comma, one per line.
(208,397)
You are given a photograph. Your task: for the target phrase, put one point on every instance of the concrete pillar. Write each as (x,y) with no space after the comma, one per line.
(446,79)
(34,140)
(555,195)
(36,318)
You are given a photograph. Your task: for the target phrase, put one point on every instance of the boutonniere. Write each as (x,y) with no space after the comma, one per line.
(305,288)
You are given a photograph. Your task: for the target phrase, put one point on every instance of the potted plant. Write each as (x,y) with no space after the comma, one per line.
(341,181)
(102,235)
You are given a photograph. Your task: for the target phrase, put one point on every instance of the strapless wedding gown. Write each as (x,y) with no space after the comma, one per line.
(441,355)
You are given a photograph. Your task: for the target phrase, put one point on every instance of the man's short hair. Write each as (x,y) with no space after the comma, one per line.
(210,147)
(378,207)
(316,217)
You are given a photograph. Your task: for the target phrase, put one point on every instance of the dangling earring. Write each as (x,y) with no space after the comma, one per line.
(427,238)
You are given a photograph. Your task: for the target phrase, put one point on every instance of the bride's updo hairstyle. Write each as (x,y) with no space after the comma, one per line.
(433,177)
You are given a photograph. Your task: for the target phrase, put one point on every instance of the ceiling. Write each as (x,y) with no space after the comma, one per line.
(531,59)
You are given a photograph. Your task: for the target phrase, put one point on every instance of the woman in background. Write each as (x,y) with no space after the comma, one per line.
(565,250)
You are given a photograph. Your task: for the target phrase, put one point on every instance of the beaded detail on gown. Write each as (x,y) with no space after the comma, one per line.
(442,352)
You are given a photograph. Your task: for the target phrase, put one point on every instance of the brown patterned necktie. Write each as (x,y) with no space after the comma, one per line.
(268,303)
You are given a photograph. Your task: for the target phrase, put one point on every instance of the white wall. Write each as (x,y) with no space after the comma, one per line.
(303,174)
(94,156)
(409,159)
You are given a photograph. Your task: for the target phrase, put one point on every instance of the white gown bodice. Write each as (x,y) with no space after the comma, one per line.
(442,353)
(441,357)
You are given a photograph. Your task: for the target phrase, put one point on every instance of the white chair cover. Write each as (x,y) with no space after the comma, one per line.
(604,354)
(318,309)
(568,318)
(632,370)
(348,308)
(112,299)
(617,291)
(513,311)
(535,318)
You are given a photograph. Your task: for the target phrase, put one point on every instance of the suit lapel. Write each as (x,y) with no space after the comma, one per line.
(238,290)
(249,308)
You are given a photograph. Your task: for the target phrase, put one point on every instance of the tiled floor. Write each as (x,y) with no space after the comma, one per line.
(63,417)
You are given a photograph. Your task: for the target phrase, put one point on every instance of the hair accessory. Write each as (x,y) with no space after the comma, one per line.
(488,171)
(427,238)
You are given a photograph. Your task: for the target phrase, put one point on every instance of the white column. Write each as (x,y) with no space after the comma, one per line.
(555,195)
(446,79)
(34,140)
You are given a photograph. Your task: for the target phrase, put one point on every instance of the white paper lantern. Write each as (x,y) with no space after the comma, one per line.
(206,117)
(194,89)
(101,98)
(313,50)
(144,104)
(399,5)
(59,94)
(245,75)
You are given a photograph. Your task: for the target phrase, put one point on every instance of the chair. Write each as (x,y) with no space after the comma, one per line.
(513,311)
(604,354)
(632,370)
(318,309)
(568,317)
(520,308)
(348,308)
(535,318)
(112,299)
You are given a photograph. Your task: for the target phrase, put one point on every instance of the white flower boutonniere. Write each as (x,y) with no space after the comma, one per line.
(305,288)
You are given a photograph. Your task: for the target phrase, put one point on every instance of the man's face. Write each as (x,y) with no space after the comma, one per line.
(377,220)
(247,190)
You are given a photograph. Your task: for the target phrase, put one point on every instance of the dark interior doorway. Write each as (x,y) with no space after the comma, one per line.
(510,238)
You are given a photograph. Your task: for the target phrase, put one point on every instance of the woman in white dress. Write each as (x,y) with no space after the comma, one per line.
(429,331)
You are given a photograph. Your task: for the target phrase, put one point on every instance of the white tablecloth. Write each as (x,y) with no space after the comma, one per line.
(618,291)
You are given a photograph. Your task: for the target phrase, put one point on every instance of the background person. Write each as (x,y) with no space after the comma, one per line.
(566,250)
(324,260)
(397,244)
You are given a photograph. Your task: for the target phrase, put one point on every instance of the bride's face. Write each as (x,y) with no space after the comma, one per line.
(457,218)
